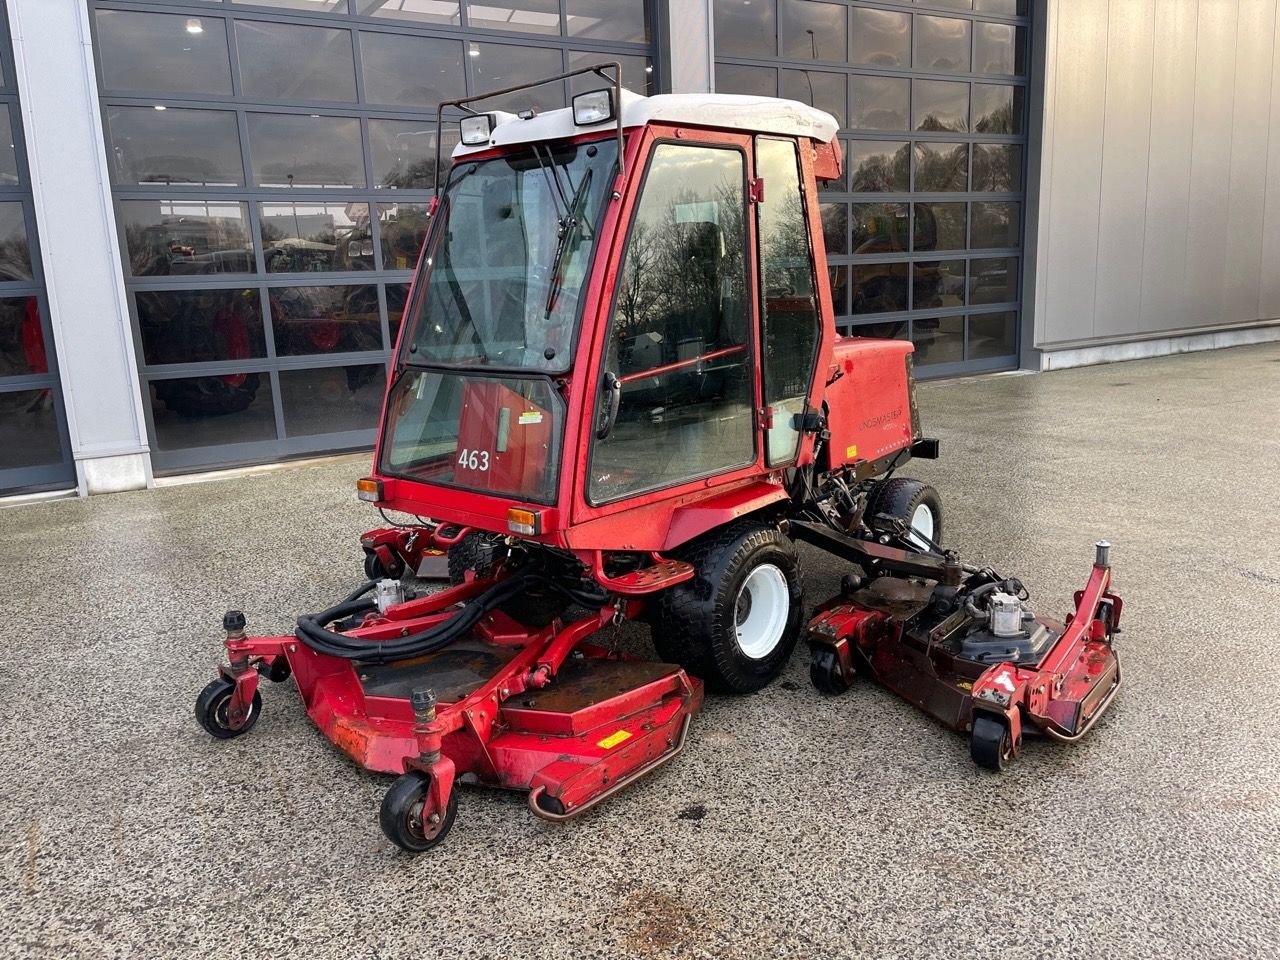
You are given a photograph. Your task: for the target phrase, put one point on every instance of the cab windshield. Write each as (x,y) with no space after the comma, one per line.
(509,256)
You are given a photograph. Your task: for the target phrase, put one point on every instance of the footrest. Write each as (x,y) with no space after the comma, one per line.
(658,576)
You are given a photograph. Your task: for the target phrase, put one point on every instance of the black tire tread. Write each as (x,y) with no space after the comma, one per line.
(899,496)
(207,709)
(391,815)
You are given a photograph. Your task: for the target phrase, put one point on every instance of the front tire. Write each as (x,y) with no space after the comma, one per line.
(736,622)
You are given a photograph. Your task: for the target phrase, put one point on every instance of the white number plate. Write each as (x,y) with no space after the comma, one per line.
(474,460)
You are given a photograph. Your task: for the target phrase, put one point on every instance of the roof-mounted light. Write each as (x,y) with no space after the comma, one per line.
(593,107)
(476,129)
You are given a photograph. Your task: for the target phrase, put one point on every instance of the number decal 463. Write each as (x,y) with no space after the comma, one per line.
(474,460)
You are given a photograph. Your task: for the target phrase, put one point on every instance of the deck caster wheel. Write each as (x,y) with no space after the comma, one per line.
(374,569)
(404,816)
(825,675)
(278,671)
(211,710)
(990,744)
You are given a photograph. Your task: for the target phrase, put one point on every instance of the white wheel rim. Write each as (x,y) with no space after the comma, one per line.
(761,611)
(922,522)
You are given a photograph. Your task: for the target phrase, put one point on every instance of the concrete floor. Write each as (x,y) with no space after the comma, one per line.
(793,825)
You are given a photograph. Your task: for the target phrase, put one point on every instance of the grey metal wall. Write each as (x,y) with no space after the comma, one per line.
(1159,207)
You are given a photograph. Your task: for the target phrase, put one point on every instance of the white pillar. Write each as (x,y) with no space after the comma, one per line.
(688,35)
(53,60)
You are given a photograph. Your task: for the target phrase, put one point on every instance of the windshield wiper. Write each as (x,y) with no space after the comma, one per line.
(569,230)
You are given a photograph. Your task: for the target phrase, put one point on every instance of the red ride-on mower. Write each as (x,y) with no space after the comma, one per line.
(618,394)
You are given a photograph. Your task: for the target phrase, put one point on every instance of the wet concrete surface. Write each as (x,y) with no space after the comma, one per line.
(793,825)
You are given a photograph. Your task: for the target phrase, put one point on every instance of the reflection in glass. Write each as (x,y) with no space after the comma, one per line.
(938,340)
(838,276)
(425,11)
(523,16)
(414,71)
(835,227)
(995,225)
(296,150)
(316,6)
(751,81)
(306,320)
(880,166)
(814,31)
(745,29)
(163,52)
(941,106)
(199,326)
(332,399)
(637,72)
(8,155)
(936,284)
(498,65)
(404,153)
(997,167)
(879,103)
(939,226)
(22,347)
(997,109)
(881,38)
(820,89)
(316,237)
(198,147)
(993,281)
(210,411)
(15,253)
(29,432)
(941,167)
(879,228)
(397,301)
(1008,7)
(997,49)
(286,61)
(185,237)
(879,288)
(992,335)
(403,227)
(942,44)
(608,20)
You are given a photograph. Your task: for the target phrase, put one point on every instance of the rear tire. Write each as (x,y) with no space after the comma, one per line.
(914,503)
(736,622)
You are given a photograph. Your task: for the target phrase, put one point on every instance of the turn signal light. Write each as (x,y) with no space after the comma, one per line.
(522,521)
(369,489)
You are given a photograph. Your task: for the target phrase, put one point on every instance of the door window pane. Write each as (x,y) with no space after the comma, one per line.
(15,252)
(199,326)
(939,226)
(415,71)
(879,287)
(818,89)
(29,431)
(814,31)
(22,346)
(626,21)
(880,166)
(942,44)
(992,335)
(332,399)
(404,229)
(307,320)
(993,281)
(286,61)
(679,337)
(881,38)
(746,29)
(424,11)
(314,6)
(942,167)
(495,66)
(523,16)
(938,340)
(404,153)
(316,237)
(997,49)
(752,81)
(150,146)
(997,167)
(186,237)
(879,103)
(210,411)
(296,150)
(163,53)
(941,106)
(835,227)
(937,284)
(637,72)
(996,225)
(997,109)
(8,155)
(880,228)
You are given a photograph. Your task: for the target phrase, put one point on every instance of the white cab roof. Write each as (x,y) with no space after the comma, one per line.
(723,111)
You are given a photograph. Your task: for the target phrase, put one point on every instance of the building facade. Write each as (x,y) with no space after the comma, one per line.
(211,209)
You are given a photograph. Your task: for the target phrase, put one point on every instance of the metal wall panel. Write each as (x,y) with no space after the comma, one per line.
(1161,172)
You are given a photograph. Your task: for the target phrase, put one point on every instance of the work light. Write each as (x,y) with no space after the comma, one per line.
(593,107)
(475,130)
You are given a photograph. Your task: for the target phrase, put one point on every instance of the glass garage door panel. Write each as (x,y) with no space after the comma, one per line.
(272,163)
(924,231)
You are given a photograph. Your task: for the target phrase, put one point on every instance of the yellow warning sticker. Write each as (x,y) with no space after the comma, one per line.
(851,452)
(613,739)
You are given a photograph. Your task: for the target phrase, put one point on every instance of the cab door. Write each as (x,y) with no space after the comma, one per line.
(790,322)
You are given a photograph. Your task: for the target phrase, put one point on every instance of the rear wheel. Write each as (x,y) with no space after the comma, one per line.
(916,504)
(736,622)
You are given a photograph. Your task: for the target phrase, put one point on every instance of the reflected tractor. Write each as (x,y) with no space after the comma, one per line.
(619,395)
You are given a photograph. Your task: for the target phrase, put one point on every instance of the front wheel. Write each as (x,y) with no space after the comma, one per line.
(406,817)
(736,622)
